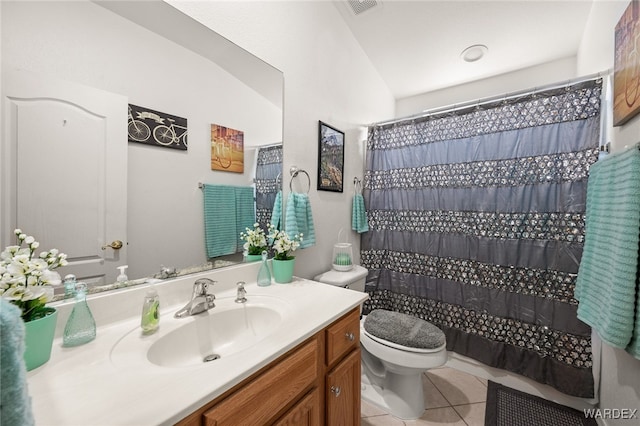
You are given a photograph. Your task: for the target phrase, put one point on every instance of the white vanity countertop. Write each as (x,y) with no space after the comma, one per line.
(84,386)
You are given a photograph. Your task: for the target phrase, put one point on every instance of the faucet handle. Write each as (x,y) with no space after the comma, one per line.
(210,300)
(241,296)
(201,286)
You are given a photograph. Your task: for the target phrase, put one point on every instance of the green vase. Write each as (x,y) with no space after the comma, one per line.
(38,339)
(283,270)
(254,257)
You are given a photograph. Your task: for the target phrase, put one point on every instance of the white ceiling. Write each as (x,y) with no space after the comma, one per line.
(416,45)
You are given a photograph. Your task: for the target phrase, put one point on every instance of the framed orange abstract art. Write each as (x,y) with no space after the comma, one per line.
(626,80)
(227,149)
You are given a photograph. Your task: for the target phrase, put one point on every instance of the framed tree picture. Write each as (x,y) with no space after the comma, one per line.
(330,158)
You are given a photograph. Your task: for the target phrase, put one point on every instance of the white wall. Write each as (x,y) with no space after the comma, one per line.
(86,44)
(620,372)
(528,78)
(327,77)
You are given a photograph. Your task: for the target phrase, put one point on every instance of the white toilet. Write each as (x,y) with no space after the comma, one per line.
(391,372)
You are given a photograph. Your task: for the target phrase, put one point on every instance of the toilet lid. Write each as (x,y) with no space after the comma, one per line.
(403,330)
(400,347)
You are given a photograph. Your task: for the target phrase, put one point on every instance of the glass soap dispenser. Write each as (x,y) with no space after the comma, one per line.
(264,276)
(150,311)
(80,327)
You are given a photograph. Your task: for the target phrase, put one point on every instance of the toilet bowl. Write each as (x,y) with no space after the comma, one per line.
(392,372)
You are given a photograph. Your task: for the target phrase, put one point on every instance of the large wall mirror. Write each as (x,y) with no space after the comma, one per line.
(143,53)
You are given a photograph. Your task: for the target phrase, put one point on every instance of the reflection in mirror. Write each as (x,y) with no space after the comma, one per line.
(147,54)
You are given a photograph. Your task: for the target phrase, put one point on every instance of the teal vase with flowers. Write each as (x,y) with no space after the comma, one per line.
(27,280)
(283,261)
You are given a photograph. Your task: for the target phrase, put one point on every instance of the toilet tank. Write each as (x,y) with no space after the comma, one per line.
(353,279)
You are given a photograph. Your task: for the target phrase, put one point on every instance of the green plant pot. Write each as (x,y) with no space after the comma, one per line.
(282,270)
(38,339)
(254,257)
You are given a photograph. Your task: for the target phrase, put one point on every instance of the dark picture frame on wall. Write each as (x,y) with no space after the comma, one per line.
(330,158)
(626,76)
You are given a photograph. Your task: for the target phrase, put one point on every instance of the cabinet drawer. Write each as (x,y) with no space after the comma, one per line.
(342,336)
(259,401)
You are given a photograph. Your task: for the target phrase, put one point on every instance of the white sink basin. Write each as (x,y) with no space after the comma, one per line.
(199,340)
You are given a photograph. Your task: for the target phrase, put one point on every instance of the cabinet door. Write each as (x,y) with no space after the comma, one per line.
(304,413)
(343,392)
(259,402)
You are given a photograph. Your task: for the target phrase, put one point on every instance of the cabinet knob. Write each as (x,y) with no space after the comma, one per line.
(350,336)
(335,390)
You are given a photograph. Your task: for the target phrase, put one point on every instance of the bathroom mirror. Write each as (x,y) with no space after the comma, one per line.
(154,56)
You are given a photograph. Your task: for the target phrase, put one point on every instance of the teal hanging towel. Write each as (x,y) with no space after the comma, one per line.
(276,213)
(299,219)
(15,403)
(228,210)
(606,287)
(359,222)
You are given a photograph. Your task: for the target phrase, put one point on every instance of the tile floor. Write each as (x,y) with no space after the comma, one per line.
(452,398)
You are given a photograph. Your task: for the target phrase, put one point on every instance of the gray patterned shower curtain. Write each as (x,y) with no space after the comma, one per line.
(268,182)
(476,224)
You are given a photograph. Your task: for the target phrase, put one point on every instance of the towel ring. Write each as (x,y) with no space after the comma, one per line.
(278,182)
(293,170)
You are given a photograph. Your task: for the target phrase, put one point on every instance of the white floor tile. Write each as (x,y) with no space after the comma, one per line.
(432,396)
(381,421)
(458,387)
(472,414)
(369,410)
(438,416)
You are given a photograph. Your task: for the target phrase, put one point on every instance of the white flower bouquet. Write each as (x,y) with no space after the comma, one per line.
(27,280)
(255,240)
(282,244)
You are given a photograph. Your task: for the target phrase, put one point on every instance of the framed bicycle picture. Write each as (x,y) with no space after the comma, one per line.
(156,128)
(227,149)
(330,158)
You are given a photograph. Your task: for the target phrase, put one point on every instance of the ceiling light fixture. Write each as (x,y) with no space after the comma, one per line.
(474,53)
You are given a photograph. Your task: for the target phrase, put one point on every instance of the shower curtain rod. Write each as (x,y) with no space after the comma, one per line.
(271,145)
(483,101)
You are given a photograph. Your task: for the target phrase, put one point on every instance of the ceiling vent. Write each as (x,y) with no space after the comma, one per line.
(360,6)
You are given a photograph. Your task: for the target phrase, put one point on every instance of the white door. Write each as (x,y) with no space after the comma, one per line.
(65,171)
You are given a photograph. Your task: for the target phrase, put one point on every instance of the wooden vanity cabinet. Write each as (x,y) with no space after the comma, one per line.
(342,371)
(316,383)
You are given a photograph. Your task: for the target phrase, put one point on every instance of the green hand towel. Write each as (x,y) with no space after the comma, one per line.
(606,285)
(299,219)
(15,403)
(359,222)
(220,220)
(276,213)
(245,212)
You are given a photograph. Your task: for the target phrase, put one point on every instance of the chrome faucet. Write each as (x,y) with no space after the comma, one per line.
(201,299)
(241,297)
